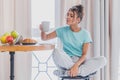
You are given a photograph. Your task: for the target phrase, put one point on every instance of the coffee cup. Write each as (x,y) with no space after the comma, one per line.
(45,26)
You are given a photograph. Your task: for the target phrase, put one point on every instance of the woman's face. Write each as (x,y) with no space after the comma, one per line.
(72,18)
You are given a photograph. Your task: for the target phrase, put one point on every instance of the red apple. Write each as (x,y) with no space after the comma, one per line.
(9,39)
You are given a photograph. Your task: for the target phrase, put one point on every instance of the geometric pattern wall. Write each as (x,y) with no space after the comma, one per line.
(43,65)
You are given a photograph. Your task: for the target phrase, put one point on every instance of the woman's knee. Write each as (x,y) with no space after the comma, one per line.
(55,53)
(102,60)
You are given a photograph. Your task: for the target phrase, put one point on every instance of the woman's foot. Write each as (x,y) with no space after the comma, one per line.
(60,73)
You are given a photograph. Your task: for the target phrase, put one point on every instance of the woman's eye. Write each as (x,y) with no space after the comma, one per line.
(71,15)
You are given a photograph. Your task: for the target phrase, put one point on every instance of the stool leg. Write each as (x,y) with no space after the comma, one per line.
(87,78)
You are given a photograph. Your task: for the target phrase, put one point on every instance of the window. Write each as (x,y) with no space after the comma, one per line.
(42,63)
(42,10)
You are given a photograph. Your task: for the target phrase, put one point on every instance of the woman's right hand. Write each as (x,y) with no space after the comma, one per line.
(45,36)
(41,27)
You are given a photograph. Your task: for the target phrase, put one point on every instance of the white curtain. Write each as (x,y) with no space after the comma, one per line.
(101,19)
(15,15)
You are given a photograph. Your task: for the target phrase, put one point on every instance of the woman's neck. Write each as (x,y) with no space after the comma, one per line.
(75,28)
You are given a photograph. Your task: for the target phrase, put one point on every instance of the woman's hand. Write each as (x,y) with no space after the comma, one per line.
(43,35)
(40,27)
(74,70)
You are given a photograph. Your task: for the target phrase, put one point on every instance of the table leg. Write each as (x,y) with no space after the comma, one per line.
(11,65)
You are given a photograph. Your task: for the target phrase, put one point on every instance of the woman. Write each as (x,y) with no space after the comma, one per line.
(71,60)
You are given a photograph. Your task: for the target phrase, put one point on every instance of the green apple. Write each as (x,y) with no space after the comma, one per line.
(15,34)
(3,39)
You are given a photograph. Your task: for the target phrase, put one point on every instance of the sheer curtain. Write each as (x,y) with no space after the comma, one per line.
(15,15)
(101,19)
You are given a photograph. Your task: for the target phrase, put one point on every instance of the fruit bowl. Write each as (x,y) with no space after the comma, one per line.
(11,38)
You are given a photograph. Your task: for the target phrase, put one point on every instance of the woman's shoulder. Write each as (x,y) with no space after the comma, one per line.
(85,31)
(63,27)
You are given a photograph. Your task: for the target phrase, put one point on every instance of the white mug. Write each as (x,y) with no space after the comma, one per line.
(45,26)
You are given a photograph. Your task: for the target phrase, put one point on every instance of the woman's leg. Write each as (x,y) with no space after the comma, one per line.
(92,65)
(61,59)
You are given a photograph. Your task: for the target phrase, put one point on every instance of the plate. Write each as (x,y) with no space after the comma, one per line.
(28,43)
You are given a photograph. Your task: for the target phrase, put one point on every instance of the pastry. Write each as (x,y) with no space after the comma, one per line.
(29,40)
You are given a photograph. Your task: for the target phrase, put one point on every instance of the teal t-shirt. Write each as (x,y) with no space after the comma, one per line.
(73,41)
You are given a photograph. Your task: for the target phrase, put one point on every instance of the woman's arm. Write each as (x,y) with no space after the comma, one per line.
(84,54)
(45,36)
(75,68)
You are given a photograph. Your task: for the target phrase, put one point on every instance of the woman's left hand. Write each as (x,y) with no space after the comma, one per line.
(74,70)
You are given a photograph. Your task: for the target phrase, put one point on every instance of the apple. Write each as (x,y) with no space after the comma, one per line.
(15,34)
(9,39)
(6,34)
(3,39)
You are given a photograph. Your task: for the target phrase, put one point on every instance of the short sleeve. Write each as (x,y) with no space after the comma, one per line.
(58,32)
(87,38)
